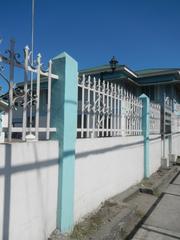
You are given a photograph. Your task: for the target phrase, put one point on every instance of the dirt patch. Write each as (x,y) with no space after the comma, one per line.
(93,223)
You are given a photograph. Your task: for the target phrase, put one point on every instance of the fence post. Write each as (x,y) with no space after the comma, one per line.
(145,128)
(64,118)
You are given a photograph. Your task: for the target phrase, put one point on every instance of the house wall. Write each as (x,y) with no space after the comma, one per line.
(28,190)
(156,92)
(108,166)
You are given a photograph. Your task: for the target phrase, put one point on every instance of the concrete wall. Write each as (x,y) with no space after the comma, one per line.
(108,166)
(167,147)
(155,153)
(29,179)
(176,144)
(104,168)
(28,190)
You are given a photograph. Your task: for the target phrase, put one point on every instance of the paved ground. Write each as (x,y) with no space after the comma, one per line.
(163,223)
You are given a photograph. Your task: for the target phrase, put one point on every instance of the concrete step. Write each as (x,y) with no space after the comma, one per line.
(159,180)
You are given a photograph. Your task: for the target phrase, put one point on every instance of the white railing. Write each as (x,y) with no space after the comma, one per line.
(26,95)
(106,109)
(132,113)
(155,118)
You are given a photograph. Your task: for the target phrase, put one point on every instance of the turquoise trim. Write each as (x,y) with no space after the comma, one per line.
(156,79)
(64,118)
(145,127)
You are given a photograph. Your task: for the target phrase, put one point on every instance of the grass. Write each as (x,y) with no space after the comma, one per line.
(87,227)
(93,223)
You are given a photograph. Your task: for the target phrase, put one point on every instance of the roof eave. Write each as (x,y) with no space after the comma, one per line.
(3,105)
(158,73)
(108,69)
(160,83)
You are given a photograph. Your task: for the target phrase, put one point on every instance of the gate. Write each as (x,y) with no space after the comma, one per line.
(25,95)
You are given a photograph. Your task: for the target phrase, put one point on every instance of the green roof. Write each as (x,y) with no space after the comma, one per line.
(154,70)
(98,68)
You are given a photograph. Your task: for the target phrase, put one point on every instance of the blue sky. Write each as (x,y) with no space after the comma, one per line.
(140,33)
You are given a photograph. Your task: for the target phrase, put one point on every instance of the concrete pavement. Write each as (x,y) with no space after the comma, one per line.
(163,223)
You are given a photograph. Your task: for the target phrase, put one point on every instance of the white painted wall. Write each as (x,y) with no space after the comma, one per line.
(28,190)
(176,144)
(29,177)
(155,150)
(104,168)
(167,147)
(108,166)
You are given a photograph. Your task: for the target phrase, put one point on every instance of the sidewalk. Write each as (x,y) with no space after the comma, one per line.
(163,221)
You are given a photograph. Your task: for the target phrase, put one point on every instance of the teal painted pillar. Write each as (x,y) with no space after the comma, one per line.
(64,118)
(145,128)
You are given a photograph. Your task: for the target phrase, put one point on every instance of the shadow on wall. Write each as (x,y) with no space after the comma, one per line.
(108,149)
(7,172)
(113,148)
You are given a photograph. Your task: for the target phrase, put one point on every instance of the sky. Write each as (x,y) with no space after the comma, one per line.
(140,33)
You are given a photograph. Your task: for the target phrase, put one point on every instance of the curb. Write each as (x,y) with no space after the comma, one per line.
(166,179)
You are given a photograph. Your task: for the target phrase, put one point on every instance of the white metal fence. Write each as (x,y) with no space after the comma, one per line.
(26,94)
(155,118)
(106,109)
